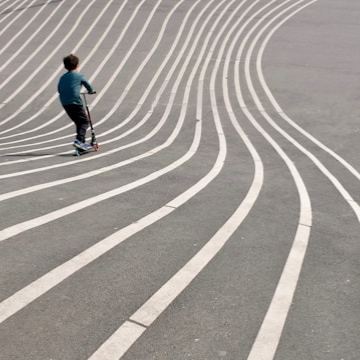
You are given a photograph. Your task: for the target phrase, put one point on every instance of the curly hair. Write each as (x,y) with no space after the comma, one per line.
(71,62)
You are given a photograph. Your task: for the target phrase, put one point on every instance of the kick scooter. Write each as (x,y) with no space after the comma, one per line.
(94,144)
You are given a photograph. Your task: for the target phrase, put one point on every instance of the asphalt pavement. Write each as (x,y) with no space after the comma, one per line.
(219,218)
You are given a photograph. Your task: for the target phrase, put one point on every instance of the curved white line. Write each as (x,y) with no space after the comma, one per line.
(19,228)
(149,135)
(305,213)
(268,338)
(34,73)
(119,68)
(148,89)
(13,2)
(10,77)
(125,336)
(9,12)
(49,280)
(280,111)
(28,23)
(58,70)
(20,12)
(344,193)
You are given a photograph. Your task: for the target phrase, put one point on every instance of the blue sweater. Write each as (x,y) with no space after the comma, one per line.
(69,87)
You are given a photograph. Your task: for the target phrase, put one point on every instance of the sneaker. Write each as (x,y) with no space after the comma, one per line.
(87,146)
(80,145)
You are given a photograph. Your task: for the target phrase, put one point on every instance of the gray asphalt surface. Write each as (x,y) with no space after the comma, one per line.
(220,218)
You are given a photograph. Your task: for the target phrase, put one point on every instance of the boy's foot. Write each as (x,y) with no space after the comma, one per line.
(77,143)
(82,146)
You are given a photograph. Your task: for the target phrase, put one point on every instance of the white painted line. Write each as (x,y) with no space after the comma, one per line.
(27,225)
(34,73)
(345,194)
(9,13)
(302,234)
(267,340)
(266,343)
(269,335)
(146,93)
(25,296)
(28,294)
(148,313)
(41,220)
(281,112)
(4,11)
(148,136)
(20,11)
(119,342)
(55,96)
(119,67)
(31,292)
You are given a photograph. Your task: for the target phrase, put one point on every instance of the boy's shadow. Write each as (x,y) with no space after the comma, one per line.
(29,154)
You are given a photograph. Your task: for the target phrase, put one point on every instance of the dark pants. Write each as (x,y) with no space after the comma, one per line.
(78,115)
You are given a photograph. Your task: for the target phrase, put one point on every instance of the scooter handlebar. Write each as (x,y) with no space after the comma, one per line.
(88,93)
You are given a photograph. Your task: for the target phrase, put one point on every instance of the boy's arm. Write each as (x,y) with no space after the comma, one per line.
(87,85)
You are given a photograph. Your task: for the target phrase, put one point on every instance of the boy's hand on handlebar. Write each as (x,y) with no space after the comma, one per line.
(92,92)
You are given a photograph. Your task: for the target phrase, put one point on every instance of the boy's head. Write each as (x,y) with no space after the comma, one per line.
(71,62)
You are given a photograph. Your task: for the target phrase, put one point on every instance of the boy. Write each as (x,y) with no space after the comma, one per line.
(69,88)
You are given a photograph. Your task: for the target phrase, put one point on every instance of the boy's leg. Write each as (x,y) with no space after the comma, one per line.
(78,115)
